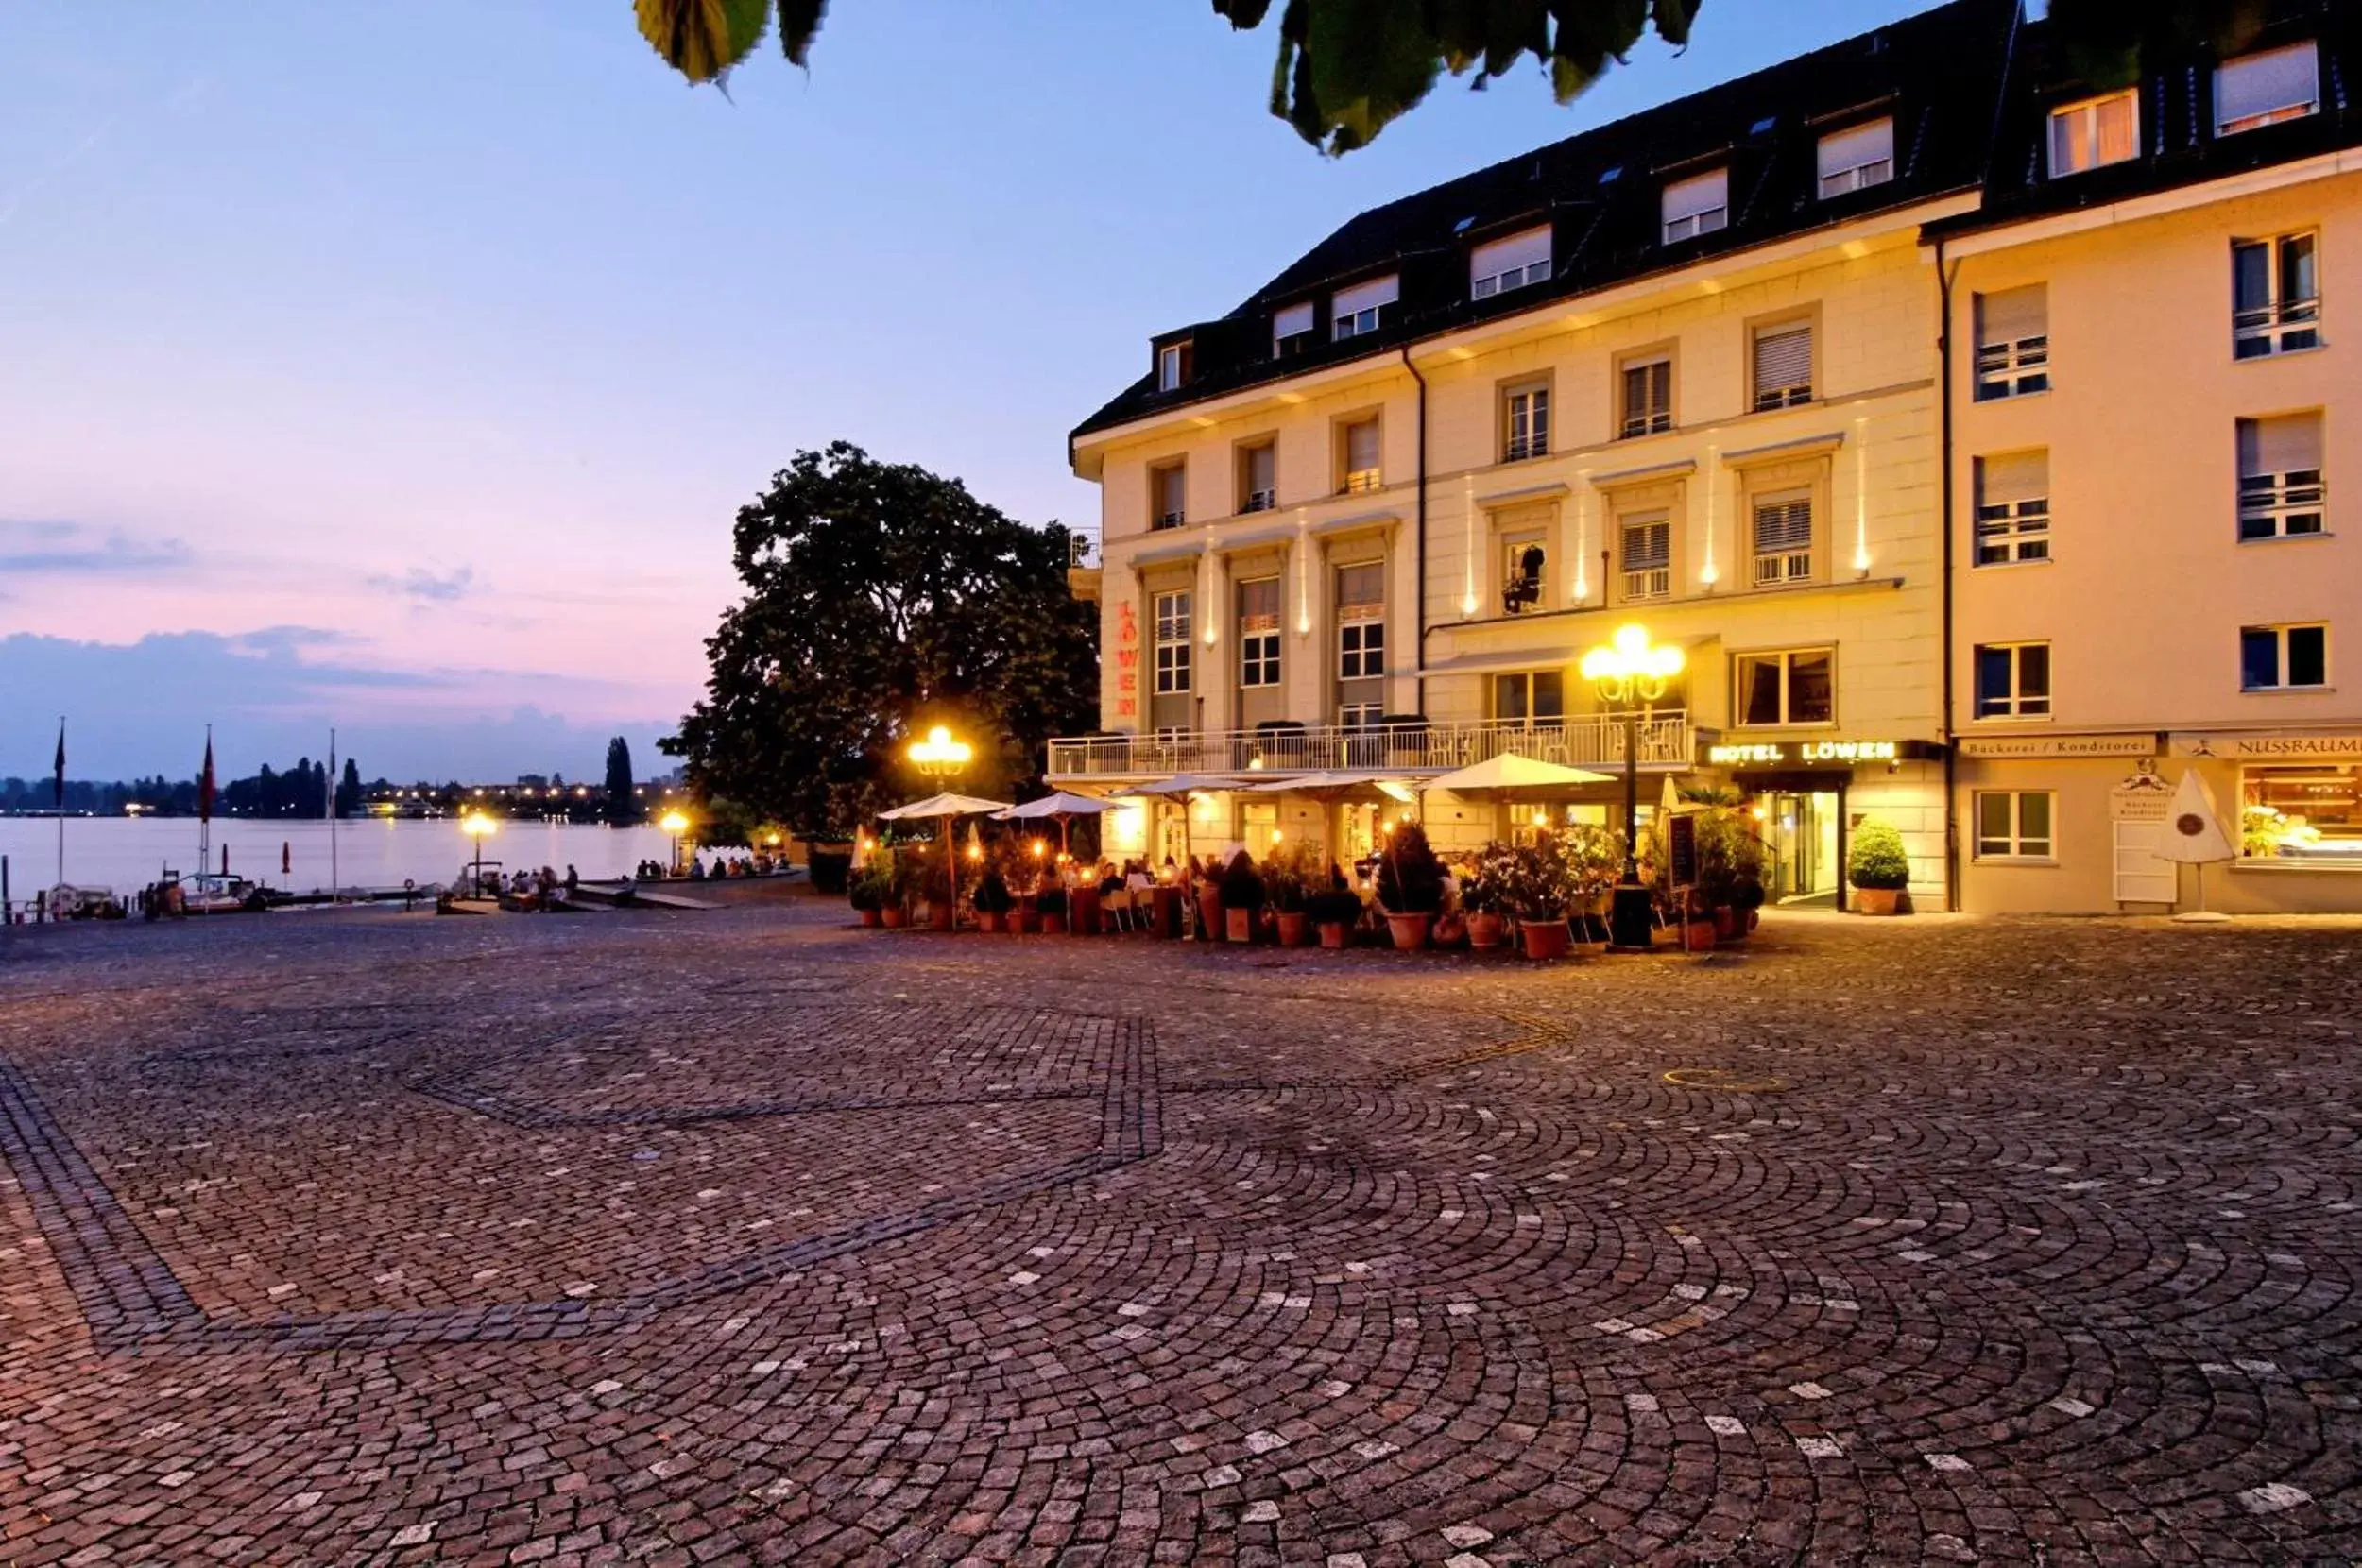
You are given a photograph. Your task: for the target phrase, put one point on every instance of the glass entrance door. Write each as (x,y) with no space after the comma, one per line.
(1800,833)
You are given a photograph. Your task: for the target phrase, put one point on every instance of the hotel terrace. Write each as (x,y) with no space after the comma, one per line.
(1968,426)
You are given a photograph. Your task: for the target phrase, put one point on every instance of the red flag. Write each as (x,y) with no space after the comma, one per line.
(205,785)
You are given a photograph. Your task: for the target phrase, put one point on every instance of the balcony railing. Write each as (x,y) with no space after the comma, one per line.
(1589,741)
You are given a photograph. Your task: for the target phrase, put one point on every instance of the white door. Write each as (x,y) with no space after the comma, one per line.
(2143,876)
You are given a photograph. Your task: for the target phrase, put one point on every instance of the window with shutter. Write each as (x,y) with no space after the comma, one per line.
(1168,492)
(1514,263)
(2014,342)
(1856,159)
(1645,555)
(1292,330)
(1359,311)
(1258,631)
(1648,397)
(1258,478)
(1783,540)
(2095,133)
(1696,206)
(1784,365)
(1525,423)
(2013,508)
(2282,495)
(2266,88)
(1360,621)
(2275,296)
(1361,462)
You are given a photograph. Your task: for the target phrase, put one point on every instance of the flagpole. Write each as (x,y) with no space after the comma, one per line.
(334,882)
(61,793)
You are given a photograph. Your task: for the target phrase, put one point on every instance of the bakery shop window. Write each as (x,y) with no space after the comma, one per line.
(2308,813)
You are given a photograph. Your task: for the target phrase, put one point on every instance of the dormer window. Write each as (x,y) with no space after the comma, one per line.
(2267,88)
(1359,311)
(1290,329)
(1514,263)
(1173,367)
(1699,205)
(1857,158)
(2095,133)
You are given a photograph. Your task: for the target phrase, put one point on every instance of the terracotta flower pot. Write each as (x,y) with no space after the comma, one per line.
(1023,920)
(1292,927)
(1546,939)
(986,922)
(1876,900)
(939,917)
(1054,925)
(1210,922)
(1729,926)
(1333,933)
(1486,932)
(1085,916)
(1237,925)
(1409,931)
(871,917)
(892,917)
(1700,939)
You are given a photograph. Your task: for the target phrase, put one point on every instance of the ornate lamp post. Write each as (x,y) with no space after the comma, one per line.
(477,826)
(942,759)
(674,824)
(1629,672)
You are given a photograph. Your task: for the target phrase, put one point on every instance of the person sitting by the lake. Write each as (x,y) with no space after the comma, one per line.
(696,869)
(574,879)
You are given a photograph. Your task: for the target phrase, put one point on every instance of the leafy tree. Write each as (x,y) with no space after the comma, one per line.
(882,599)
(348,791)
(623,806)
(1349,68)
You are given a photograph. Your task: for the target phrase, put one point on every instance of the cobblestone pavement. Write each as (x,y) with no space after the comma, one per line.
(747,1237)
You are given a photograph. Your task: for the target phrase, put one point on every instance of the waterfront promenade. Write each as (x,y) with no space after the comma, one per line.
(742,1236)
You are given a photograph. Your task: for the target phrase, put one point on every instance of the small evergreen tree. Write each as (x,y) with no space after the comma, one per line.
(623,806)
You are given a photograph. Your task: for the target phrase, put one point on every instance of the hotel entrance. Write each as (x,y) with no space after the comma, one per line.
(1801,829)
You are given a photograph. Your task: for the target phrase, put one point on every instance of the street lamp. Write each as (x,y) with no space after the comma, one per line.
(478,826)
(1629,672)
(674,824)
(942,759)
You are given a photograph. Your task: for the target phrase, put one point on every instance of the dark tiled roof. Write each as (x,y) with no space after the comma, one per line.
(1938,73)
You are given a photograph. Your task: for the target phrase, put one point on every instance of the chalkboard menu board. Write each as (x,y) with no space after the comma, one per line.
(1682,839)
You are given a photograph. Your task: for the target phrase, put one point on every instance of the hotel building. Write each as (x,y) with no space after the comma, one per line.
(1772,370)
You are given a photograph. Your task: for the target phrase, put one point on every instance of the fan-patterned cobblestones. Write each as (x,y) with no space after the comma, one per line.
(745,1237)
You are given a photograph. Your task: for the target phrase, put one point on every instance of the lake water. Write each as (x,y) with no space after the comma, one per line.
(128,852)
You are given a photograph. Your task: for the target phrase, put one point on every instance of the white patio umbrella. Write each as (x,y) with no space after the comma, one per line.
(949,807)
(1510,771)
(1061,804)
(1180,786)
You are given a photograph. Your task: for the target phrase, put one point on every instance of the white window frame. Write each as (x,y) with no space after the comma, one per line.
(2015,843)
(1650,420)
(1525,421)
(2299,110)
(1172,645)
(1781,560)
(1653,578)
(1168,367)
(1788,394)
(2080,120)
(1355,481)
(1159,516)
(1259,646)
(1359,311)
(2281,325)
(1361,648)
(1786,658)
(1529,720)
(1512,548)
(1510,263)
(2016,533)
(2016,704)
(1699,205)
(2011,367)
(1857,158)
(1360,716)
(1288,323)
(1251,497)
(2288,504)
(2280,636)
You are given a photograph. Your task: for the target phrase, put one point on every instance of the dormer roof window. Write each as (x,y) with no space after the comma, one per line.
(2267,87)
(1699,205)
(1359,311)
(1857,158)
(1512,263)
(1291,328)
(1173,367)
(2095,133)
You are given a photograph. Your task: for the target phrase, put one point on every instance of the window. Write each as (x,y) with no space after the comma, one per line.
(1509,264)
(2282,658)
(1362,459)
(1359,311)
(1783,540)
(2308,813)
(1173,644)
(1783,364)
(2281,494)
(1696,206)
(1786,689)
(1357,715)
(1856,159)
(2275,296)
(1258,631)
(1645,552)
(1525,423)
(1258,477)
(1531,697)
(1290,329)
(1167,490)
(1360,621)
(1523,556)
(2014,342)
(2014,680)
(1648,397)
(2013,508)
(2264,89)
(2014,825)
(2095,133)
(1173,367)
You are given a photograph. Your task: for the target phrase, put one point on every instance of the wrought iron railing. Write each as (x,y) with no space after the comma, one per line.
(1413,748)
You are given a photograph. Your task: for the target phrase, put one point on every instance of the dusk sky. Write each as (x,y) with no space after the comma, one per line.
(402,367)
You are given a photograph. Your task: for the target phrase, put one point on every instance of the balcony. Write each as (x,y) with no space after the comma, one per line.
(1586,741)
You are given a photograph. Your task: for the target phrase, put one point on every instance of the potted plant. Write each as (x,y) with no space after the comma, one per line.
(865,891)
(896,879)
(1410,886)
(1595,862)
(1288,881)
(1540,887)
(1730,869)
(1333,913)
(1242,897)
(1484,897)
(993,900)
(1050,908)
(1877,866)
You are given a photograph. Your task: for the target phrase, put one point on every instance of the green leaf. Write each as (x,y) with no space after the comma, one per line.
(702,39)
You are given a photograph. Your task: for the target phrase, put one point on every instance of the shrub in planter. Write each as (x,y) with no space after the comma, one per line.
(866,891)
(1484,896)
(1540,886)
(1878,868)
(1334,914)
(830,868)
(1730,861)
(1242,897)
(1291,874)
(993,900)
(1410,885)
(1050,908)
